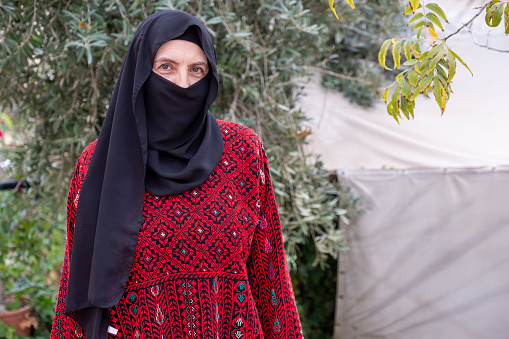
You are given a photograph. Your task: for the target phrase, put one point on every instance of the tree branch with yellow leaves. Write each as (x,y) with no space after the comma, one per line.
(430,64)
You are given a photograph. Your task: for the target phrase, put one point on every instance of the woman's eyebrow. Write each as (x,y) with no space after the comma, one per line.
(200,63)
(165,59)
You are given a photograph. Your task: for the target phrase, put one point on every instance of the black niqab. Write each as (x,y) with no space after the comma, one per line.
(176,142)
(167,146)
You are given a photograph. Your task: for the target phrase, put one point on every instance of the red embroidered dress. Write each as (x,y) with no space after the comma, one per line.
(209,263)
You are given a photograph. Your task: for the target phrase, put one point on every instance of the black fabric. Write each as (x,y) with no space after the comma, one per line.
(179,156)
(111,198)
(191,35)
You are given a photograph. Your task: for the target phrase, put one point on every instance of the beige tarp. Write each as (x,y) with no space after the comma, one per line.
(472,132)
(430,259)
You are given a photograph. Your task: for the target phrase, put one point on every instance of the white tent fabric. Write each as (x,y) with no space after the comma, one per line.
(472,132)
(430,258)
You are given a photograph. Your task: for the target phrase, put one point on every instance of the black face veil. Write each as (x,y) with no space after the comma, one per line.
(134,153)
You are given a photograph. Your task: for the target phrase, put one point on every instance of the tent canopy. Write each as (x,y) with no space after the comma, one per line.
(429,257)
(472,132)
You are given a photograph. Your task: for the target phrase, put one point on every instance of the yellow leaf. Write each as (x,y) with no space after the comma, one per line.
(419,31)
(350,2)
(434,62)
(416,17)
(460,60)
(383,53)
(437,49)
(422,86)
(419,24)
(333,8)
(407,48)
(494,13)
(435,8)
(390,110)
(396,53)
(405,89)
(414,4)
(81,25)
(451,63)
(432,32)
(386,92)
(405,108)
(396,100)
(412,77)
(506,19)
(89,26)
(409,9)
(440,94)
(434,19)
(417,49)
(411,105)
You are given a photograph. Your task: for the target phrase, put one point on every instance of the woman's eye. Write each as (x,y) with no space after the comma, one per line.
(165,67)
(196,70)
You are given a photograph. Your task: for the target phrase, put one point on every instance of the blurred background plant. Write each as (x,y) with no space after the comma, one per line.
(31,246)
(355,41)
(58,65)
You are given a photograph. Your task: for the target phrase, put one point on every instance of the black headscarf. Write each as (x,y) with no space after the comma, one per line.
(156,136)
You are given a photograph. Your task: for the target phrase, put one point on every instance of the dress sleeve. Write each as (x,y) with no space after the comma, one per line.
(268,271)
(63,325)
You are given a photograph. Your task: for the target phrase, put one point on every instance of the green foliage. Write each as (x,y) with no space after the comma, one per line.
(355,41)
(430,70)
(315,287)
(433,69)
(361,93)
(315,292)
(7,332)
(65,62)
(58,63)
(494,13)
(31,247)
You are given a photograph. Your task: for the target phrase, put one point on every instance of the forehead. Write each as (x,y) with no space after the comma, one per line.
(181,49)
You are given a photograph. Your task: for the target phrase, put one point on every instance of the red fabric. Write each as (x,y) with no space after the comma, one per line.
(209,263)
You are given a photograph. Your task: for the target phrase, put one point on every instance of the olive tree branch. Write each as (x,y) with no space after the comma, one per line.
(93,78)
(226,25)
(338,75)
(295,23)
(233,105)
(359,31)
(24,42)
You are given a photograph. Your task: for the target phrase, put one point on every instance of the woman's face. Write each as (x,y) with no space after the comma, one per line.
(182,62)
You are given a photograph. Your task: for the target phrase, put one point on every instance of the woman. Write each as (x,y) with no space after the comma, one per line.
(173,230)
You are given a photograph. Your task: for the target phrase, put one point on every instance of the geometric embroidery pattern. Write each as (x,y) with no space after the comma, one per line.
(209,263)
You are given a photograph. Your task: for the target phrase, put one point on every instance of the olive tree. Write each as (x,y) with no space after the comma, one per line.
(58,66)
